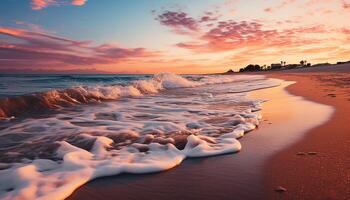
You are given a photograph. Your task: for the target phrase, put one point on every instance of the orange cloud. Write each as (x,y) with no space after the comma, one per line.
(257,41)
(40,4)
(78,2)
(227,35)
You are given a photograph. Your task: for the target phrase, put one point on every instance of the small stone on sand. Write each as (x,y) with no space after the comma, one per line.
(280,189)
(312,153)
(301,153)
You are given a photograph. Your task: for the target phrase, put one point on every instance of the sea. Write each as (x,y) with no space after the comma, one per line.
(58,132)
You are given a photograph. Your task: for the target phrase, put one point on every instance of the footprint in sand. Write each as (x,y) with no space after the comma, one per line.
(331,95)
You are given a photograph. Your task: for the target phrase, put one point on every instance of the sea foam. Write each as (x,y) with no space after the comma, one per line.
(170,118)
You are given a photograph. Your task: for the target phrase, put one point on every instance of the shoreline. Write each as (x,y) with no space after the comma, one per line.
(325,175)
(239,174)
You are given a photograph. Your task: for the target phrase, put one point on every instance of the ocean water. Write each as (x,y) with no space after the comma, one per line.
(21,84)
(58,132)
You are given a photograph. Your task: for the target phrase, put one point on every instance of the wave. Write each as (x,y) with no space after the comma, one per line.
(50,179)
(11,107)
(50,157)
(39,102)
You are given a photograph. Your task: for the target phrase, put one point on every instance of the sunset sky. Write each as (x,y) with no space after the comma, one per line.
(180,36)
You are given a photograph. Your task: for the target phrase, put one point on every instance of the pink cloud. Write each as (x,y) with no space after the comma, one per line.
(224,35)
(345,31)
(78,2)
(41,4)
(346,5)
(269,9)
(208,17)
(180,22)
(283,4)
(28,49)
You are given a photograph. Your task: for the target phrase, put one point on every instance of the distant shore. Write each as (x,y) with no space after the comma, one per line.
(283,67)
(318,166)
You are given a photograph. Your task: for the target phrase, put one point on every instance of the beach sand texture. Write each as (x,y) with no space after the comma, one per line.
(326,173)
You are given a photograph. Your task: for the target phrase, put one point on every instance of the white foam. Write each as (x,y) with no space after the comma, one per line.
(45,179)
(159,82)
(137,88)
(140,135)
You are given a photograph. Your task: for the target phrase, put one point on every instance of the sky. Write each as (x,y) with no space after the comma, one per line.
(178,36)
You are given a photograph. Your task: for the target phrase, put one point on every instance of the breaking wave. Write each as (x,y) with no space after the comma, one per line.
(50,157)
(39,102)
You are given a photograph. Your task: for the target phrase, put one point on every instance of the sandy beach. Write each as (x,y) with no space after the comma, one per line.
(175,100)
(272,156)
(268,135)
(325,175)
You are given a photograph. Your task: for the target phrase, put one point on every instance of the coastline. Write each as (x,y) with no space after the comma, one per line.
(233,175)
(325,175)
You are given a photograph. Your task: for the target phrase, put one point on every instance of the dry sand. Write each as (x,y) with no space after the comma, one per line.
(326,173)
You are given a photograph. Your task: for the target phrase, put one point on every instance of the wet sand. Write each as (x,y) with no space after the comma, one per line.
(231,176)
(325,175)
